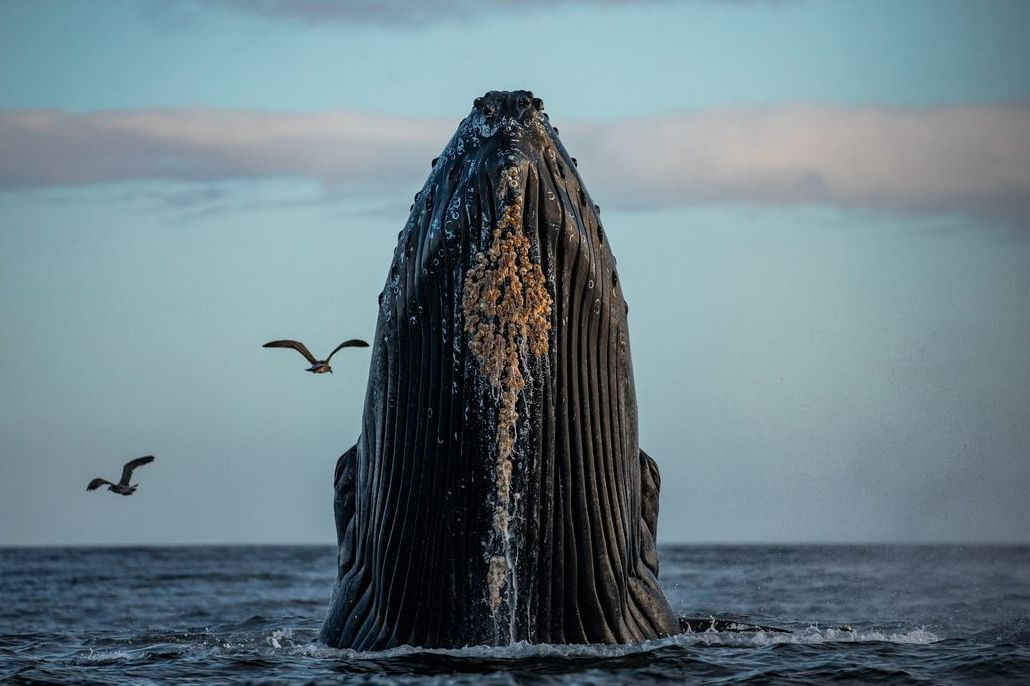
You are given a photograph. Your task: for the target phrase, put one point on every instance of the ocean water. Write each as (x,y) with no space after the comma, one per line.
(206,615)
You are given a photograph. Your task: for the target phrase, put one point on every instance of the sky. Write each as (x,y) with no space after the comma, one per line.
(821,212)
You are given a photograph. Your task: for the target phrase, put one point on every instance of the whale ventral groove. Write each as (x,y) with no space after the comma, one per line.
(497,492)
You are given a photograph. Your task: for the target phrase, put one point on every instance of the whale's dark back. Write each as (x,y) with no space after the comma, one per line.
(497,492)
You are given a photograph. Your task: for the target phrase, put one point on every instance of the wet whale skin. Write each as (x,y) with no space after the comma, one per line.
(497,492)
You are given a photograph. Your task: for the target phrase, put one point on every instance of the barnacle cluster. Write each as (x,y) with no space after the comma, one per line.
(507,311)
(497,579)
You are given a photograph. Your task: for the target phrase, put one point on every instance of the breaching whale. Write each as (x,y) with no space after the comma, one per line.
(497,492)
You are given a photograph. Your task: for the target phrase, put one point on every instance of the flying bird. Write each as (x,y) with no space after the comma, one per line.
(122,486)
(317,366)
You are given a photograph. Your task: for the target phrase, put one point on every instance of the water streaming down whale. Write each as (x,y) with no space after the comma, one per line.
(497,492)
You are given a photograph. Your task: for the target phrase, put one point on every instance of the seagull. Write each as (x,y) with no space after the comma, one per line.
(122,486)
(317,366)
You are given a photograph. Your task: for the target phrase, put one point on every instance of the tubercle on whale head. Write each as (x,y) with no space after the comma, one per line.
(502,126)
(517,105)
(514,113)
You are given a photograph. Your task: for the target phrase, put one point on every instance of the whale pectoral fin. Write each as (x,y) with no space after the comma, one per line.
(650,607)
(341,464)
(343,506)
(650,484)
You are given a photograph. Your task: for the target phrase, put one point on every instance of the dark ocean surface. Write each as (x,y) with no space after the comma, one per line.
(208,615)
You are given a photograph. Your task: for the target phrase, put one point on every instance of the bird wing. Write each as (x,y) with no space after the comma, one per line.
(352,343)
(97,483)
(296,345)
(129,466)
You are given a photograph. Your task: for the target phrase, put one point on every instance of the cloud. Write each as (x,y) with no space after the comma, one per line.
(969,160)
(344,150)
(394,13)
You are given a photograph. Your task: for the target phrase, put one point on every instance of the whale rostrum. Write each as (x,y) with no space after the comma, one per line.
(497,492)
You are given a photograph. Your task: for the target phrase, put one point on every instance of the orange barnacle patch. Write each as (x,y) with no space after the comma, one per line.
(507,312)
(507,309)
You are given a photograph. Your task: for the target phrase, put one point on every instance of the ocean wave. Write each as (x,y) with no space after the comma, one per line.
(108,657)
(810,635)
(1014,632)
(914,620)
(522,650)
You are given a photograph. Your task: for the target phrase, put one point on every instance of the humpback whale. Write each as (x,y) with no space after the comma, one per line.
(497,492)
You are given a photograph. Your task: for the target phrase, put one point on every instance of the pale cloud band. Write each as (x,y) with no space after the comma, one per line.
(393,13)
(969,160)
